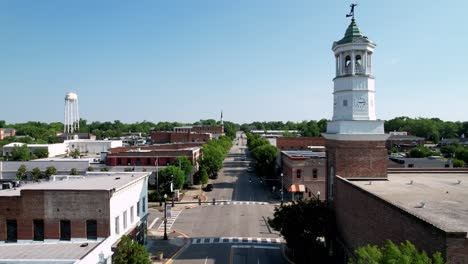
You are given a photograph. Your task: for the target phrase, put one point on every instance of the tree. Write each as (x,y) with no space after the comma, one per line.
(73,171)
(104,169)
(41,153)
(184,164)
(265,157)
(22,173)
(20,153)
(230,129)
(51,170)
(130,252)
(75,153)
(36,174)
(90,168)
(303,224)
(420,152)
(203,176)
(458,163)
(171,174)
(406,252)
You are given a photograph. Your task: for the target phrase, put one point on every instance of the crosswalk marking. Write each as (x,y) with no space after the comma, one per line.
(239,203)
(170,220)
(243,240)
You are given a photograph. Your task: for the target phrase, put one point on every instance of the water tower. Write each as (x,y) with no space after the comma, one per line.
(72,118)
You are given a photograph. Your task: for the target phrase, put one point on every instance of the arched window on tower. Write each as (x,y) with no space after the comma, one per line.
(358,65)
(348,64)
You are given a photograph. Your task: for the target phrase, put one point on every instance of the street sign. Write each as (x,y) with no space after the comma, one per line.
(168,211)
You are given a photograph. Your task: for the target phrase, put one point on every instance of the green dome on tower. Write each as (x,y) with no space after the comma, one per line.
(353,34)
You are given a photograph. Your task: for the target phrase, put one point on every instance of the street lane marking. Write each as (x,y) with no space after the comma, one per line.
(235,240)
(152,223)
(251,246)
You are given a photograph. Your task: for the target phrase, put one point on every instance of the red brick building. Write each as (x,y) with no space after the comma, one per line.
(426,209)
(7,132)
(299,143)
(99,208)
(158,137)
(304,173)
(370,206)
(147,156)
(402,141)
(217,130)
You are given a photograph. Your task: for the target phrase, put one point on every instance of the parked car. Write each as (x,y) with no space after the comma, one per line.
(209,187)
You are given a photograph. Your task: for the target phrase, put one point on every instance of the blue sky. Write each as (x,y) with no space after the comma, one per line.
(256,60)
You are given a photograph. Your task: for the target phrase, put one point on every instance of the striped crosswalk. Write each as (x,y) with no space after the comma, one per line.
(240,203)
(175,212)
(218,240)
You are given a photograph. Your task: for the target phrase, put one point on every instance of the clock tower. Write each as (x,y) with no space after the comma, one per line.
(355,137)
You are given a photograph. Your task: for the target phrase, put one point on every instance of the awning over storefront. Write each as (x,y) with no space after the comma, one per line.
(296,188)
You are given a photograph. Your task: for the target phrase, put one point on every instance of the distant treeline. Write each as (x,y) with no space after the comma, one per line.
(432,129)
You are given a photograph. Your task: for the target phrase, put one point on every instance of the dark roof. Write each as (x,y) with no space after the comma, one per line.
(404,137)
(7,130)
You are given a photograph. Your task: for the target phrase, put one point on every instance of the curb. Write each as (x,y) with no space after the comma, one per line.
(283,252)
(204,196)
(180,250)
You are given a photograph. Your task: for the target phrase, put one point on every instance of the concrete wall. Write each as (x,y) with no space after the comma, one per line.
(92,147)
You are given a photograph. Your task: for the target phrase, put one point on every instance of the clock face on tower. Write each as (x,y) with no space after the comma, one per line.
(360,102)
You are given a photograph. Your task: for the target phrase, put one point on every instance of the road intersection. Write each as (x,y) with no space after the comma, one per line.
(235,230)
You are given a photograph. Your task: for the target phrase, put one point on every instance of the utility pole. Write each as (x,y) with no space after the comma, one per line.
(281,189)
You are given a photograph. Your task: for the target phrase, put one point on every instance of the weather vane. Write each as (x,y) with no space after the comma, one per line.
(351,13)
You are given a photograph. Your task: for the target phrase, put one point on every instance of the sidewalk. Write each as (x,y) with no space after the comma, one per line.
(176,240)
(169,248)
(192,195)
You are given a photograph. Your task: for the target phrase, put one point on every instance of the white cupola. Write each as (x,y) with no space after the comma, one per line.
(354,85)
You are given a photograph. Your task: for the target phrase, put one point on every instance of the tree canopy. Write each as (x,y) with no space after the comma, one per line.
(262,152)
(305,225)
(405,253)
(213,154)
(432,129)
(130,252)
(20,153)
(168,174)
(184,165)
(22,172)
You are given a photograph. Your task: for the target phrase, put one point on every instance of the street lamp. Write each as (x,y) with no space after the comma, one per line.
(318,195)
(165,217)
(281,189)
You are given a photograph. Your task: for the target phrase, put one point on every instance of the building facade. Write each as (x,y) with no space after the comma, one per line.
(159,137)
(7,132)
(98,209)
(402,141)
(371,206)
(301,143)
(304,174)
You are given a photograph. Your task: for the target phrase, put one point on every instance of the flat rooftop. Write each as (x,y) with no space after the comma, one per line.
(304,153)
(61,252)
(445,197)
(92,181)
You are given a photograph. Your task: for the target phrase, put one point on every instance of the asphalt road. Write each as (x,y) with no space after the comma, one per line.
(237,232)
